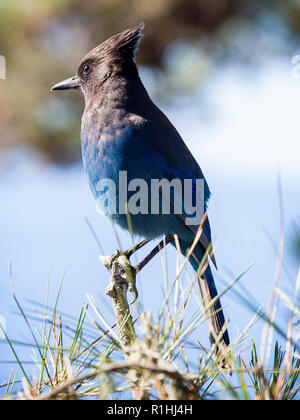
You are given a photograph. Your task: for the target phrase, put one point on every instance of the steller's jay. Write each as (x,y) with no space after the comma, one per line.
(124,131)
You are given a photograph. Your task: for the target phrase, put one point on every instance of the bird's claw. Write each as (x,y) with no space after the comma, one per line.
(132,283)
(127,271)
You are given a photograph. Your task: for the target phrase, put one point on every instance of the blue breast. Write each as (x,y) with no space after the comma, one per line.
(106,153)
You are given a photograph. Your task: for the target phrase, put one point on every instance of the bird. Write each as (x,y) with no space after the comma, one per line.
(123,131)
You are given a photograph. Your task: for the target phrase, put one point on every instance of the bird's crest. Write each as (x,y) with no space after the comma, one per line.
(123,44)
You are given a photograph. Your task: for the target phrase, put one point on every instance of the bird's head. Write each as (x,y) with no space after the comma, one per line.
(113,56)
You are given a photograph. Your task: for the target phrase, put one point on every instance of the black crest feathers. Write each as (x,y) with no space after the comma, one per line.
(123,44)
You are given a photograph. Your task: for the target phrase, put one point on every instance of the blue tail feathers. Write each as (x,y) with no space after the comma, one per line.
(208,290)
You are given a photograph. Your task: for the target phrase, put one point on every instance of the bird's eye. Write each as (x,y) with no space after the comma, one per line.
(86,68)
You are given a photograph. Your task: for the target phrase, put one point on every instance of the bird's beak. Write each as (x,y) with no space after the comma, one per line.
(71,83)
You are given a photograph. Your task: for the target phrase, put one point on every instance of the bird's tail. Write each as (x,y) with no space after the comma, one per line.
(218,334)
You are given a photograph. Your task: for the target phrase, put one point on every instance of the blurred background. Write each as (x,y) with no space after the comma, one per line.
(226,72)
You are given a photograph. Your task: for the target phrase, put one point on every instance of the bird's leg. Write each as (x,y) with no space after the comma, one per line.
(129,271)
(136,247)
(122,257)
(126,272)
(154,252)
(108,260)
(132,271)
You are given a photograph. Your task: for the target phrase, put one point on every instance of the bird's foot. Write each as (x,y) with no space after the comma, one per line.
(119,262)
(132,282)
(129,273)
(107,260)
